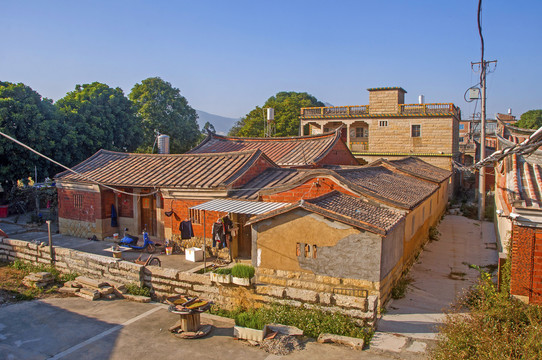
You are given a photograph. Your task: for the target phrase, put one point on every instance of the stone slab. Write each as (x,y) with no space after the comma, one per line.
(354,343)
(137,298)
(388,342)
(86,281)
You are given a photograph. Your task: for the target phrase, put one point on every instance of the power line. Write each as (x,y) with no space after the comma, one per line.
(73,171)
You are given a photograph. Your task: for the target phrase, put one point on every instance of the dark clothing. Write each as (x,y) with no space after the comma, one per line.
(186,229)
(218,234)
(113,216)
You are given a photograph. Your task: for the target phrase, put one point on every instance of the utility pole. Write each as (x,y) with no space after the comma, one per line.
(482,176)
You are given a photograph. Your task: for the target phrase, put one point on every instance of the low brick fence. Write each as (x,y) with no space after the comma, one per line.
(167,282)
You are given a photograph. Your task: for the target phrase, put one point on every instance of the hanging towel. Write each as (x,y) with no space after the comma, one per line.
(113,216)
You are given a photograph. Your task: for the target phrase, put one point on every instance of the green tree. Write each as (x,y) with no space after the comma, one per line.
(102,118)
(34,121)
(162,108)
(531,119)
(287,105)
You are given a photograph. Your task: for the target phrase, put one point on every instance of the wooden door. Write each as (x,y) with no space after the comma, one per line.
(148,214)
(245,237)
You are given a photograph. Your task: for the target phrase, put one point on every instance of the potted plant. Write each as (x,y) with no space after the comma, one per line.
(222,275)
(242,274)
(249,326)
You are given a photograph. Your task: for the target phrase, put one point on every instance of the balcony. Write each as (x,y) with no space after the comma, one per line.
(363,111)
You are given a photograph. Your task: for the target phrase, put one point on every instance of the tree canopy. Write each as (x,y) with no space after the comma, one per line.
(102,118)
(531,119)
(287,105)
(34,121)
(161,107)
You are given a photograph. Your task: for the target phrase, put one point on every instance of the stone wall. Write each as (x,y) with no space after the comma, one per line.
(168,282)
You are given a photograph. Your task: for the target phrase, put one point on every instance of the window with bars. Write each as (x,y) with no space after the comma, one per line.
(78,201)
(416,131)
(383,123)
(195,216)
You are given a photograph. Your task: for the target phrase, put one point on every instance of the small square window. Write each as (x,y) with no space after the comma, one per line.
(383,123)
(416,131)
(461,126)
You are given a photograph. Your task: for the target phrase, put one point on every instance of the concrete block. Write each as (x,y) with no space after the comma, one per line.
(206,289)
(346,301)
(325,298)
(354,343)
(303,295)
(68,290)
(86,281)
(275,291)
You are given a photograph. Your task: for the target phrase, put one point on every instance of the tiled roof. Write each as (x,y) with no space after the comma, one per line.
(382,183)
(379,182)
(347,209)
(163,170)
(418,167)
(284,151)
(523,182)
(269,179)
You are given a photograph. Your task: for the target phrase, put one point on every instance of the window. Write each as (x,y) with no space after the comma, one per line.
(383,123)
(461,126)
(78,201)
(362,132)
(195,216)
(461,139)
(326,130)
(416,131)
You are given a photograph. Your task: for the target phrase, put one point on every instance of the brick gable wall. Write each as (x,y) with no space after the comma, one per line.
(87,207)
(339,155)
(526,277)
(310,189)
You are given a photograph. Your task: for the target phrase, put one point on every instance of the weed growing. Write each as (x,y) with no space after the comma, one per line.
(135,289)
(399,290)
(496,327)
(313,321)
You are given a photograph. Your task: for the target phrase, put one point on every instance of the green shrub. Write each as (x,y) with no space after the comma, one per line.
(313,321)
(135,289)
(242,271)
(497,326)
(434,234)
(400,288)
(222,271)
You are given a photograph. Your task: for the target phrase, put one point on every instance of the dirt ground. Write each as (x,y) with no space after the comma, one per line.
(12,289)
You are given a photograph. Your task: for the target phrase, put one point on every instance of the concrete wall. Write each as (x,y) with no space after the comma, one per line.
(168,282)
(346,257)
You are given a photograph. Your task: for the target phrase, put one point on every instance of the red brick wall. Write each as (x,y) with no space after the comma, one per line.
(126,205)
(182,213)
(526,277)
(89,211)
(339,155)
(256,169)
(308,190)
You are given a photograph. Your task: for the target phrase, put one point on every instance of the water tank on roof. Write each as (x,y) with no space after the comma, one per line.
(421,99)
(163,144)
(270,114)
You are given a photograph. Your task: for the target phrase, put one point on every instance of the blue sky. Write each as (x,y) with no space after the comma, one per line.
(226,57)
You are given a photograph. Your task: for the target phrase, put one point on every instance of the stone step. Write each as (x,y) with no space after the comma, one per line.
(88,282)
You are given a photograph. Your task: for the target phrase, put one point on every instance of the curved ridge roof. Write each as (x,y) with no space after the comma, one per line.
(163,170)
(284,151)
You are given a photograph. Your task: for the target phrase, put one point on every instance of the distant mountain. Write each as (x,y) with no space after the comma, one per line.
(222,124)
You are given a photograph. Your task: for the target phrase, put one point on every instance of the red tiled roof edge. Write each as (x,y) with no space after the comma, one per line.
(304,204)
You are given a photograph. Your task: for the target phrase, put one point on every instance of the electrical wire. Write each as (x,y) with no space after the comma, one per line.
(73,171)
